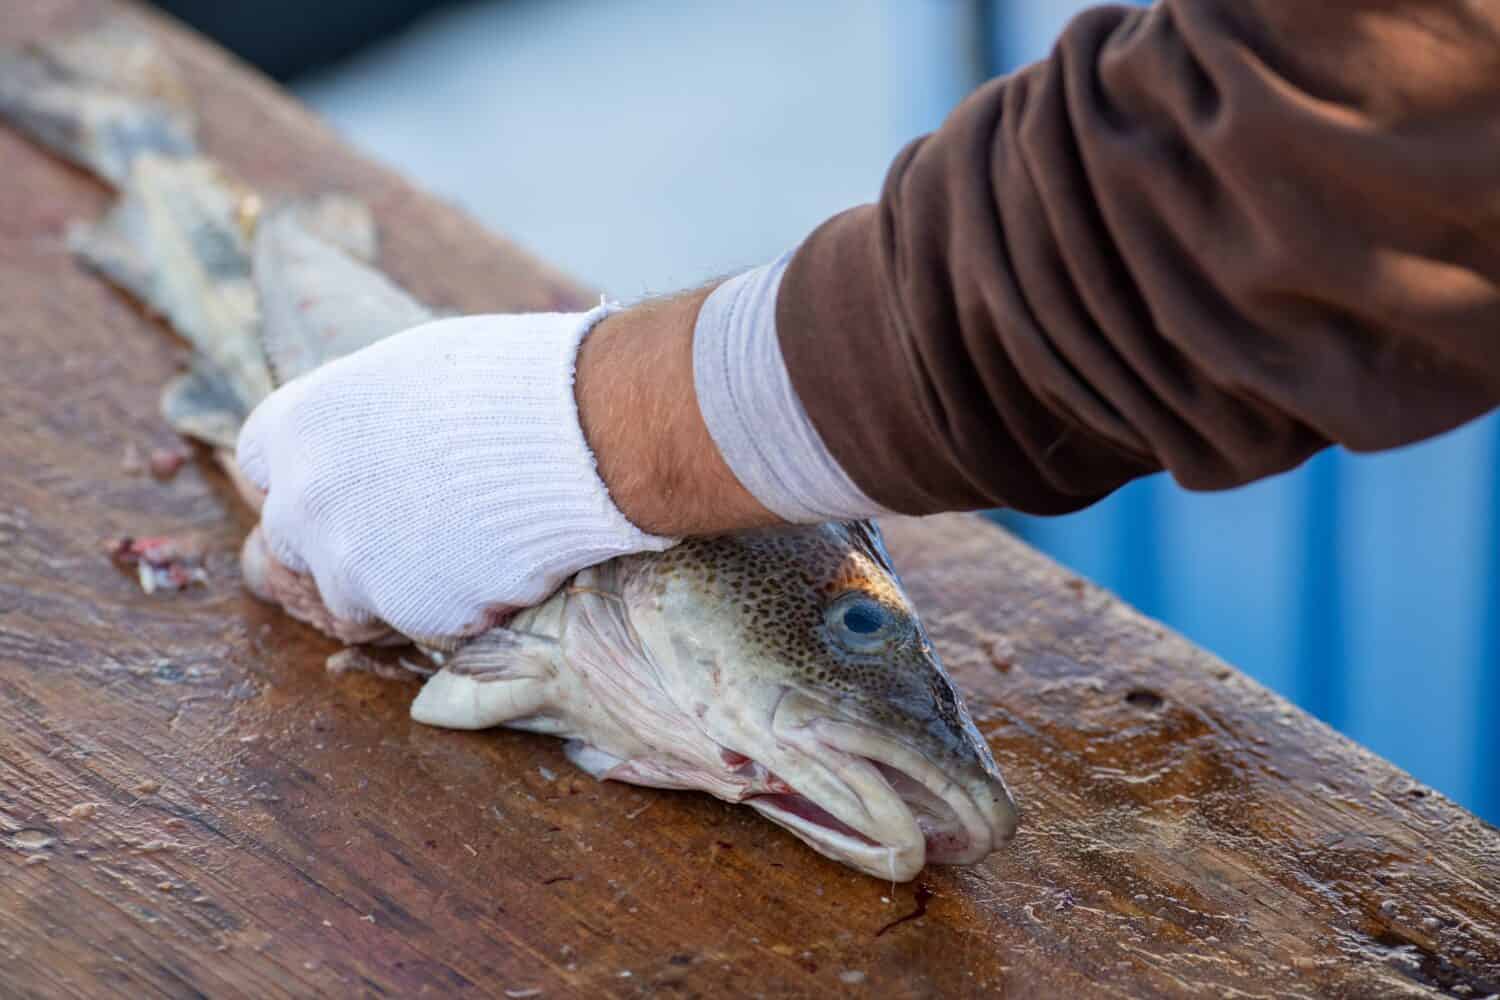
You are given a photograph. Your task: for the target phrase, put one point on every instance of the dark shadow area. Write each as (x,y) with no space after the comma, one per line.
(288,38)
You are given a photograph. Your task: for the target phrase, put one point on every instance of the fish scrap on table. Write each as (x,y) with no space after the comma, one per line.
(784,669)
(161,562)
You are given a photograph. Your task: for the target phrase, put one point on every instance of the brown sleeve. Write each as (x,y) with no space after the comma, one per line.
(1211,236)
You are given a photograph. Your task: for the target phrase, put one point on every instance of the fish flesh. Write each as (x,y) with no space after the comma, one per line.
(784,669)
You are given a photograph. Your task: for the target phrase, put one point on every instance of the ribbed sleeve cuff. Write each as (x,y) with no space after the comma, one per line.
(752,412)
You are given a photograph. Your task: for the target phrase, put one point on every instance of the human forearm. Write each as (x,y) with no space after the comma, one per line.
(728,443)
(640,415)
(1211,237)
(452,473)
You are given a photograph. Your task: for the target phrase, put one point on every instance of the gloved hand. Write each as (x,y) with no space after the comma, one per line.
(439,479)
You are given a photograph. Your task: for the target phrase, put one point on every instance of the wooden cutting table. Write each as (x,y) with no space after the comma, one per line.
(190,804)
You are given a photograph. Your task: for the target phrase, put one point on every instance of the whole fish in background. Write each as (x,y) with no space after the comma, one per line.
(784,669)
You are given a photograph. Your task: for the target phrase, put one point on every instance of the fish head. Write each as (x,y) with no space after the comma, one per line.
(798,654)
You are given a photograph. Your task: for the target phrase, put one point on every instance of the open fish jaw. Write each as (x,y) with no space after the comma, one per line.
(783,669)
(871,733)
(705,668)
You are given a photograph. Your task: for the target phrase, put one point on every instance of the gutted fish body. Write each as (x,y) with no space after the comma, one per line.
(784,669)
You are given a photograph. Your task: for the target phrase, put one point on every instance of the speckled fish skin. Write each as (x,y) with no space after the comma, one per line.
(725,665)
(785,669)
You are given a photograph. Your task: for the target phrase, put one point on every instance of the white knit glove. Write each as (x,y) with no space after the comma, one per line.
(438,479)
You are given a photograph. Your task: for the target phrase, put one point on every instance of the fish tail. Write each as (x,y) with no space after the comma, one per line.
(109,100)
(99,99)
(263,293)
(178,240)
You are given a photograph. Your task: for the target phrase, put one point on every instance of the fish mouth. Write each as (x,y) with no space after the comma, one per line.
(881,806)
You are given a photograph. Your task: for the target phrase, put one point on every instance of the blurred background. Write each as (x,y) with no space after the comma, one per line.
(645,146)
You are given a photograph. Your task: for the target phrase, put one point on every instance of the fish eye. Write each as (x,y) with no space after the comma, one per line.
(861,624)
(863,620)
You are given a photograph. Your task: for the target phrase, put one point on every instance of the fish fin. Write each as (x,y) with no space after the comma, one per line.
(119,56)
(176,240)
(104,248)
(866,537)
(499,677)
(591,760)
(99,99)
(318,302)
(199,404)
(341,220)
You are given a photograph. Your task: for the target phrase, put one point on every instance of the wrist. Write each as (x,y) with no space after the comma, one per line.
(640,416)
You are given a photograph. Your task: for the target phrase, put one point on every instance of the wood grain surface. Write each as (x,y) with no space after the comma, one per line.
(190,805)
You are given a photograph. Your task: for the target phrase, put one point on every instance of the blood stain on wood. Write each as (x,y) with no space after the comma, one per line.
(921,895)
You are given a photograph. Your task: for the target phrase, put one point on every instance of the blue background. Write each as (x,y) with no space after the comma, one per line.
(649,146)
